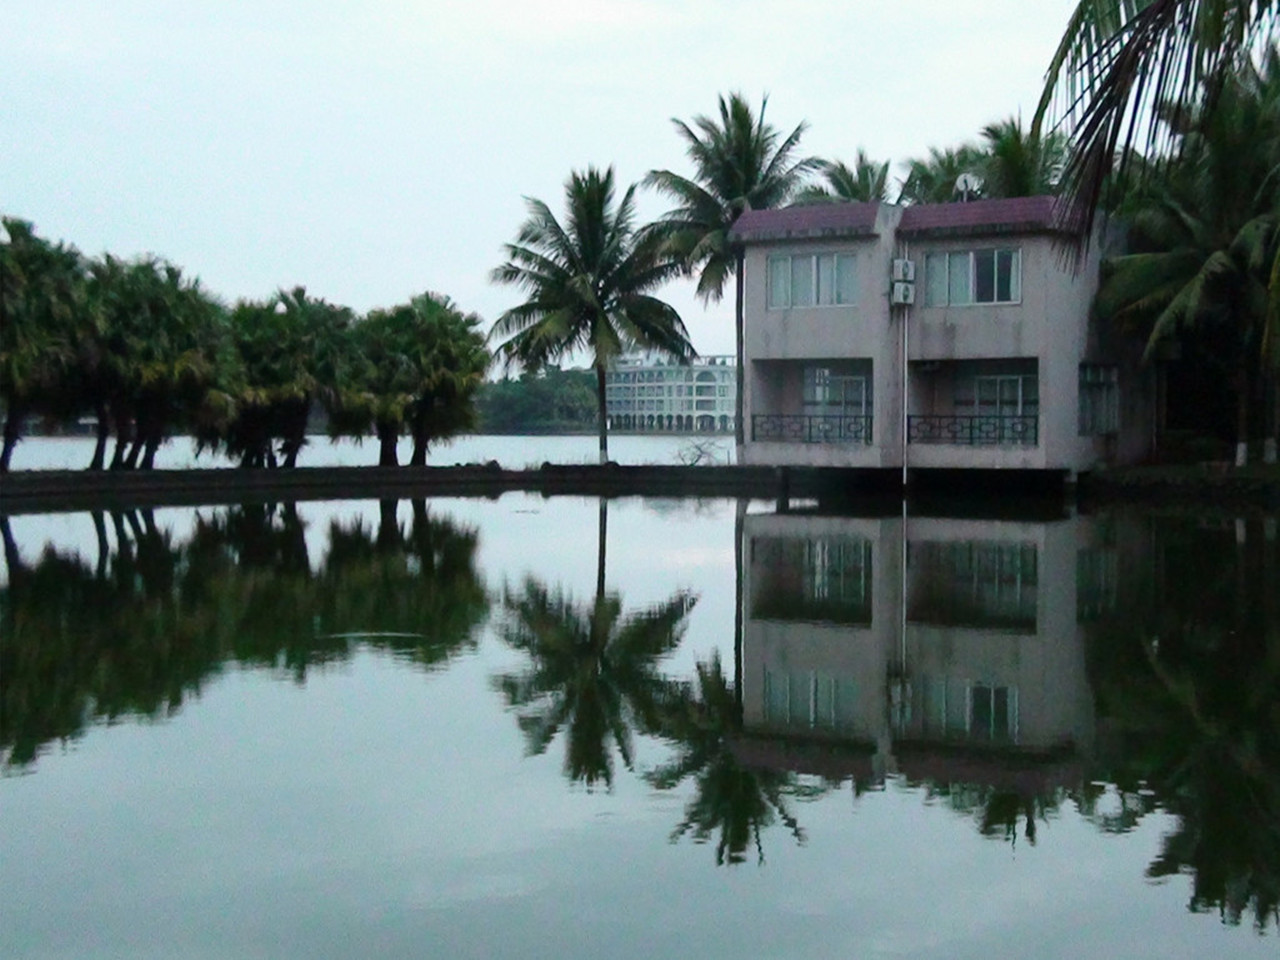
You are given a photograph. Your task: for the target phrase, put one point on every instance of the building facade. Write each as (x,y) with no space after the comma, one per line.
(951,335)
(648,394)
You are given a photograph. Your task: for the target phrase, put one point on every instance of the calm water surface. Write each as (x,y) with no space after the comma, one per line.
(421,729)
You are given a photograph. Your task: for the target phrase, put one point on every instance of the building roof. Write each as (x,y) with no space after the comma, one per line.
(807,222)
(1013,215)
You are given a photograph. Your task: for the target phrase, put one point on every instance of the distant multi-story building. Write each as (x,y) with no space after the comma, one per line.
(651,395)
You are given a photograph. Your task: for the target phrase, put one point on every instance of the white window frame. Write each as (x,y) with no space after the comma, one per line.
(933,259)
(843,265)
(1099,399)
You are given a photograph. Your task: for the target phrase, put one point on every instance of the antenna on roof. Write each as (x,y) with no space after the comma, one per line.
(966,184)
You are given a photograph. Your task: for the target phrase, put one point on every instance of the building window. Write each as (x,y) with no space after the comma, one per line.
(809,699)
(827,393)
(966,277)
(812,279)
(1099,399)
(1015,395)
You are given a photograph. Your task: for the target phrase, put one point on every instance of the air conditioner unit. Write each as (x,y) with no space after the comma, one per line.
(903,293)
(904,270)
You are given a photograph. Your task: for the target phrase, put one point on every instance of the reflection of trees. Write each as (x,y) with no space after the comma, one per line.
(1190,683)
(595,673)
(732,801)
(151,622)
(998,812)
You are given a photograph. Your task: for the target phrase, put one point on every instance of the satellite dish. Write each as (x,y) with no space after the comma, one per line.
(966,184)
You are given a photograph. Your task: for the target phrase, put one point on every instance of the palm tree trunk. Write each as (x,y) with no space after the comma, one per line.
(104,549)
(104,432)
(740,573)
(388,437)
(1242,416)
(124,430)
(420,443)
(600,549)
(603,413)
(12,431)
(739,328)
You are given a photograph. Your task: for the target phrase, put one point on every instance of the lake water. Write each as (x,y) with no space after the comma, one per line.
(180,453)
(361,729)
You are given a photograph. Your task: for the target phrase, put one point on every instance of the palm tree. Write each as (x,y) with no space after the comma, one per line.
(740,163)
(933,178)
(1206,238)
(867,181)
(1119,60)
(590,283)
(1021,163)
(45,323)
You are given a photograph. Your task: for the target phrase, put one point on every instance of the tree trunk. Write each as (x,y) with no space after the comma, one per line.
(600,549)
(388,529)
(603,413)
(388,437)
(124,431)
(740,573)
(12,431)
(103,431)
(104,550)
(1242,416)
(1269,446)
(739,329)
(135,448)
(420,444)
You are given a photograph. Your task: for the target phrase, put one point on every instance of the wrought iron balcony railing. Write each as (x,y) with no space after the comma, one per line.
(975,431)
(804,428)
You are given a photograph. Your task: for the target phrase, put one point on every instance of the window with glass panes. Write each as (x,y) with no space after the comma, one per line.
(827,393)
(812,280)
(966,277)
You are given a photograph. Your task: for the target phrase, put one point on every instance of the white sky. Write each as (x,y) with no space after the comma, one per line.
(371,150)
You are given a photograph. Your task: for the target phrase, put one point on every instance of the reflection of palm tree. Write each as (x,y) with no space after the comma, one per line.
(731,800)
(595,673)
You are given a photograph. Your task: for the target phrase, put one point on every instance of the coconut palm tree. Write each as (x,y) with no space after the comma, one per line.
(1021,163)
(740,163)
(590,284)
(1118,61)
(866,181)
(932,179)
(1207,236)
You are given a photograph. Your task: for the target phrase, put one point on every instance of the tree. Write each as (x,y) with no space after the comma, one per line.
(160,360)
(1118,61)
(1021,163)
(294,352)
(933,178)
(589,283)
(740,163)
(414,368)
(867,181)
(44,325)
(1205,237)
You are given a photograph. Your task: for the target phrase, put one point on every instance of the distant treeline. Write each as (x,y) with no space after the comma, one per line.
(554,401)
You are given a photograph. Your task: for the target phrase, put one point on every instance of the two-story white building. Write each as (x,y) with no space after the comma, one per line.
(654,394)
(953,335)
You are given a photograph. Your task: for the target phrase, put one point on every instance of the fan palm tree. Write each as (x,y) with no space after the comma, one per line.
(45,323)
(590,284)
(866,181)
(1119,60)
(739,163)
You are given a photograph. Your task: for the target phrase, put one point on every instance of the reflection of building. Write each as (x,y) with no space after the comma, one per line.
(953,653)
(654,395)
(1003,368)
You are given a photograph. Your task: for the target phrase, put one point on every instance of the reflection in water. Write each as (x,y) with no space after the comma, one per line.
(1008,668)
(152,621)
(594,673)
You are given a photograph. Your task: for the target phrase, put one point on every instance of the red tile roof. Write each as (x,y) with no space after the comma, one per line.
(807,222)
(1014,215)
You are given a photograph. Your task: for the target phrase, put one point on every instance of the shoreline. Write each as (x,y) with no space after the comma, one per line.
(56,491)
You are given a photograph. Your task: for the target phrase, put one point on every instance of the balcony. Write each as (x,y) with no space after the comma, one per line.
(975,431)
(804,428)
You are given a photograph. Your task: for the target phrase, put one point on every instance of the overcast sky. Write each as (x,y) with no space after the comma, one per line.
(371,150)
